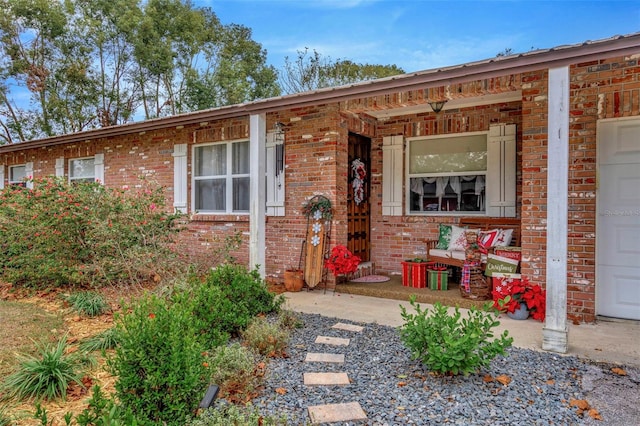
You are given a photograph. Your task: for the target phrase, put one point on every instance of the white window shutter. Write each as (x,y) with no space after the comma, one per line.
(392,175)
(28,172)
(501,171)
(275,176)
(1,176)
(98,168)
(60,167)
(180,177)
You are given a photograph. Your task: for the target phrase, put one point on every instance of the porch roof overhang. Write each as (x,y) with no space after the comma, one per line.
(530,61)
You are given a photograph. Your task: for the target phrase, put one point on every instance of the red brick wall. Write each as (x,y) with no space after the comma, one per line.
(395,238)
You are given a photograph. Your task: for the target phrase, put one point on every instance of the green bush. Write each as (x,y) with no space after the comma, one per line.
(159,361)
(452,344)
(83,234)
(47,374)
(88,303)
(103,411)
(266,338)
(232,415)
(230,297)
(232,366)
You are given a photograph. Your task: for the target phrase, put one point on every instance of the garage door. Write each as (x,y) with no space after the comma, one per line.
(618,219)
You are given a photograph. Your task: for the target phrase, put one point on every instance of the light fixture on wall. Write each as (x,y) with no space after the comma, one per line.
(278,129)
(437,106)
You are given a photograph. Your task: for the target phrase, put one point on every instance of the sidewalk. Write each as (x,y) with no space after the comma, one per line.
(611,342)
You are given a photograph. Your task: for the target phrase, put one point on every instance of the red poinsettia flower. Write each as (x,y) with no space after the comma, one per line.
(342,261)
(508,298)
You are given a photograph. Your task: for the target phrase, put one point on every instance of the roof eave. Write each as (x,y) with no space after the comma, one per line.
(530,61)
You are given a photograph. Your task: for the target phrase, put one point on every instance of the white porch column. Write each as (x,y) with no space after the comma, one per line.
(257,203)
(555,333)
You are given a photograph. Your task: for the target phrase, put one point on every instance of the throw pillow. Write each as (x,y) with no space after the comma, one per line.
(458,238)
(444,237)
(503,238)
(486,240)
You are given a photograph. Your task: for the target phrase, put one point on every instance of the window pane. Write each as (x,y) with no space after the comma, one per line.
(448,155)
(448,194)
(17,174)
(240,158)
(210,195)
(241,194)
(211,160)
(82,169)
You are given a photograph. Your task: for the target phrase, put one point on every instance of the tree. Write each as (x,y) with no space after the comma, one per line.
(311,71)
(94,63)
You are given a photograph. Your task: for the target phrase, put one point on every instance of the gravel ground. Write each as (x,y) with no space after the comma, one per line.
(395,390)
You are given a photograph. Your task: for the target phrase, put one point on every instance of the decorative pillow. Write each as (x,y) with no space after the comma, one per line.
(458,238)
(486,239)
(444,237)
(503,238)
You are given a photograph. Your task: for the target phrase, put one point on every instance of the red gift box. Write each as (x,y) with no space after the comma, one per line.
(502,283)
(414,274)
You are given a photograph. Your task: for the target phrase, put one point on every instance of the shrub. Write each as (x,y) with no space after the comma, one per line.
(159,361)
(103,411)
(46,375)
(232,415)
(268,339)
(88,303)
(289,319)
(450,343)
(230,297)
(107,339)
(83,234)
(233,368)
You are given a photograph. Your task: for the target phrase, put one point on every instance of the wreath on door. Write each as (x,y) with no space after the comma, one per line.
(359,174)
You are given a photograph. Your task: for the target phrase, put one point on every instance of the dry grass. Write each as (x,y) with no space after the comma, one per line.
(45,317)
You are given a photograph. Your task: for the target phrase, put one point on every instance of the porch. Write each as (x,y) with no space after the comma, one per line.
(393,289)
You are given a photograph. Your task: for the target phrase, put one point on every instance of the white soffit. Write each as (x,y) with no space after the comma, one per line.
(451,104)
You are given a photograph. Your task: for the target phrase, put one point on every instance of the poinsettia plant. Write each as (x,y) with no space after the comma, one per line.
(342,261)
(509,296)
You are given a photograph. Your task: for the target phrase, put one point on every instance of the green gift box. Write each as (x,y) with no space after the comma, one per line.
(438,279)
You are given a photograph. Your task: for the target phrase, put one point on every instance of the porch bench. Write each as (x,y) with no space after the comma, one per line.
(456,258)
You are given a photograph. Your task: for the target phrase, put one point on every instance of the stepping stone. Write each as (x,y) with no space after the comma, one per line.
(324,379)
(348,327)
(336,341)
(324,357)
(332,413)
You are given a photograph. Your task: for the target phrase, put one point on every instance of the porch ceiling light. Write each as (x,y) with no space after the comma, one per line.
(437,106)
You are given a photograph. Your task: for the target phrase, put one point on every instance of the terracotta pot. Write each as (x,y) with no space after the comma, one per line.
(293,279)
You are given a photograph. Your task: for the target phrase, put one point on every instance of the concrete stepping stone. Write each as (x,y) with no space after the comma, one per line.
(348,327)
(324,357)
(336,341)
(332,413)
(325,379)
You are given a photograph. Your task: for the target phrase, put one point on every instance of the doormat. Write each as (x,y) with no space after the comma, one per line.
(371,279)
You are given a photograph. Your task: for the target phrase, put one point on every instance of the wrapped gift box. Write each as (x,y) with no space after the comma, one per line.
(500,265)
(438,278)
(510,252)
(414,274)
(502,283)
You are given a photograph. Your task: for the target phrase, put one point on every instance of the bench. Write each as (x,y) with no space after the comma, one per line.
(457,258)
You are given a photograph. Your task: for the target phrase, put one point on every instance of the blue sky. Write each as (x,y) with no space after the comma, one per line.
(423,34)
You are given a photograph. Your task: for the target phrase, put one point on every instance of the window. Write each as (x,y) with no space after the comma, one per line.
(18,175)
(448,174)
(467,173)
(82,170)
(221,178)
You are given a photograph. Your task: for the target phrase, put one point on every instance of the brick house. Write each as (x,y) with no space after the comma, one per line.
(557,133)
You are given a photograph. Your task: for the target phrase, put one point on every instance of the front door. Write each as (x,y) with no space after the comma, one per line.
(618,219)
(358,207)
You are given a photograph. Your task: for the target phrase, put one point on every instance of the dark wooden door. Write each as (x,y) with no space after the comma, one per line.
(358,206)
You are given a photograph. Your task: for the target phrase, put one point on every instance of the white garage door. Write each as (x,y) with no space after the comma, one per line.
(618,220)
